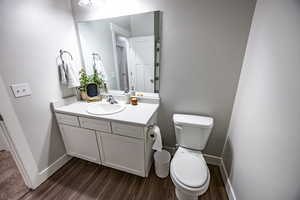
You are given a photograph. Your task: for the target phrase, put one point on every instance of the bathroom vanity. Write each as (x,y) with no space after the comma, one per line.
(127,55)
(121,140)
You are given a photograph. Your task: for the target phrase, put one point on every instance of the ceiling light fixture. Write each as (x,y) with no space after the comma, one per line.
(85,3)
(90,3)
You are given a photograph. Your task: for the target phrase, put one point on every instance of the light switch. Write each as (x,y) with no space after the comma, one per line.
(21,90)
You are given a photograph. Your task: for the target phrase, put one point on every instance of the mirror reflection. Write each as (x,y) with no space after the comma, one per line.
(125,50)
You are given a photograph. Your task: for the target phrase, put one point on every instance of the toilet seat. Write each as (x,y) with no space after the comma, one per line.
(189,172)
(189,167)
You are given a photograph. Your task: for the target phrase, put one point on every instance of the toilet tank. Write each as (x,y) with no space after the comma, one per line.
(192,131)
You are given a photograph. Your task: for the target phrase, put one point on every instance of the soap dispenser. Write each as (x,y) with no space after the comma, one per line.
(127,96)
(132,91)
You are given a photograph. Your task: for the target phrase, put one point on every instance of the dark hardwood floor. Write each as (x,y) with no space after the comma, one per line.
(12,186)
(82,180)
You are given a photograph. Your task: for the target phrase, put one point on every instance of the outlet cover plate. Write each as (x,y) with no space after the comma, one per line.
(21,90)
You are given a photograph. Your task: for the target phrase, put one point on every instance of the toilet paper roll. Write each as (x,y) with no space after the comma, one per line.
(157,138)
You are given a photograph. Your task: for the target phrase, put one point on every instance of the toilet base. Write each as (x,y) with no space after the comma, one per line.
(183,196)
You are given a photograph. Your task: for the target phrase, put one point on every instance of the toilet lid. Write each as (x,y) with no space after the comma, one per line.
(193,120)
(189,168)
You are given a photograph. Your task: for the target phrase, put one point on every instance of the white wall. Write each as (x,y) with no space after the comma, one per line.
(203,43)
(32,32)
(262,153)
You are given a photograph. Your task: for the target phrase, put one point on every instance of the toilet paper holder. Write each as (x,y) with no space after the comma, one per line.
(151,127)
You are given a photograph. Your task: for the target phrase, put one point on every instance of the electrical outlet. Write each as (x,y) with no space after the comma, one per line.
(21,90)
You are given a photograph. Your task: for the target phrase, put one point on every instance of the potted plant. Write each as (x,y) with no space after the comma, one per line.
(97,79)
(85,79)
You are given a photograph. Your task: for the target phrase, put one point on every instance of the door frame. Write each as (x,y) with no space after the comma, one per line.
(16,140)
(3,142)
(117,30)
(15,155)
(132,68)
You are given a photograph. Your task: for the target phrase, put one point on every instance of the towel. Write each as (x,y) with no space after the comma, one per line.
(100,69)
(72,74)
(69,75)
(62,74)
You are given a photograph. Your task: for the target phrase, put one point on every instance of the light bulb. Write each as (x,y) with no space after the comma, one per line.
(85,3)
(90,3)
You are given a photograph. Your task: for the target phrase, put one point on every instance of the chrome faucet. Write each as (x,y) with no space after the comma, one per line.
(111,99)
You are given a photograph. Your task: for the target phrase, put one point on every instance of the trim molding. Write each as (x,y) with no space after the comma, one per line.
(16,157)
(218,161)
(226,180)
(212,160)
(46,173)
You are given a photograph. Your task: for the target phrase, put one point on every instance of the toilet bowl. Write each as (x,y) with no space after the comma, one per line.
(188,169)
(189,174)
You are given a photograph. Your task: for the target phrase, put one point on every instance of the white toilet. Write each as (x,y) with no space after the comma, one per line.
(188,169)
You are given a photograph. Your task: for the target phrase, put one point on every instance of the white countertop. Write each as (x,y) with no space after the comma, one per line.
(139,114)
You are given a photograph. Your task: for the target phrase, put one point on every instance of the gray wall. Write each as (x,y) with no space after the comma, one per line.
(32,32)
(203,43)
(262,153)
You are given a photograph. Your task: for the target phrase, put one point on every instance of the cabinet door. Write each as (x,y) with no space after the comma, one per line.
(81,143)
(123,153)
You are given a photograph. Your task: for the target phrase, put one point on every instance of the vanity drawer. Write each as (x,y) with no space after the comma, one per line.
(95,124)
(67,119)
(127,130)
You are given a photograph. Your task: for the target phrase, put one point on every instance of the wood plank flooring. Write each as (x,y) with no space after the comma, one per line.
(82,180)
(12,186)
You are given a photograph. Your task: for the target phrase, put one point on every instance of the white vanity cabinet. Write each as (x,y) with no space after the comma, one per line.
(120,145)
(81,143)
(123,153)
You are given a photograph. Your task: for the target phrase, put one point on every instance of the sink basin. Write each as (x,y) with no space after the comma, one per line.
(104,108)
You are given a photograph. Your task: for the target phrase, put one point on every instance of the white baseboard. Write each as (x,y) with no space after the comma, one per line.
(212,160)
(218,161)
(46,173)
(226,180)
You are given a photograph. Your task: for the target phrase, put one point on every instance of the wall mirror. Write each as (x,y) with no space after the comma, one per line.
(125,50)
